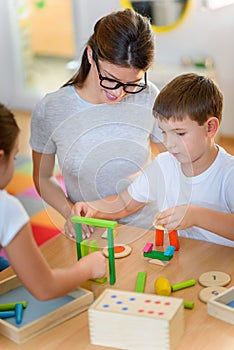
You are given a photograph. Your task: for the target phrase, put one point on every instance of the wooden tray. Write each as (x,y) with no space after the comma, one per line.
(39,316)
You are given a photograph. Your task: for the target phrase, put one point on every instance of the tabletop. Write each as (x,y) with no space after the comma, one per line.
(202,331)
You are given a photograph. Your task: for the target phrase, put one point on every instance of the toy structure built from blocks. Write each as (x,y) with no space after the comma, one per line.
(110,225)
(173,238)
(136,321)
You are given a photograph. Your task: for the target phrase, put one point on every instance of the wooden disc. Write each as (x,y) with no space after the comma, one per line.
(214,278)
(210,292)
(120,251)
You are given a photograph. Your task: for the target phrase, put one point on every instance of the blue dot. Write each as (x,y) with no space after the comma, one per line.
(113,296)
(119,302)
(125,308)
(106,305)
(132,299)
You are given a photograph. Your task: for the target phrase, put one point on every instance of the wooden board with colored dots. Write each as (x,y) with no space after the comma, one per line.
(136,321)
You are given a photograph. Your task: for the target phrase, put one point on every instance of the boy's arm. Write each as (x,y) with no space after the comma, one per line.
(113,207)
(185,216)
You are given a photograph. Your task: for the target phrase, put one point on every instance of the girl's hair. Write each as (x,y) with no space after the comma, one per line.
(123,38)
(190,95)
(9,130)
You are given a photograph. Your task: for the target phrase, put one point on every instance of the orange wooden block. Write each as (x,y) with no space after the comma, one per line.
(159,237)
(173,238)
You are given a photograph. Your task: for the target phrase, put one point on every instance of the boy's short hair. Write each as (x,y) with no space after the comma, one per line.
(192,95)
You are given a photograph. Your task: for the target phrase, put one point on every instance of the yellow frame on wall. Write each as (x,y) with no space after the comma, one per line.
(157,29)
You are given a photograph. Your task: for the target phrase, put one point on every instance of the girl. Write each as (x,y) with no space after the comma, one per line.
(16,236)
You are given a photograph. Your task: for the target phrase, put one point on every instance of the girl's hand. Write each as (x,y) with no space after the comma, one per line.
(179,217)
(95,263)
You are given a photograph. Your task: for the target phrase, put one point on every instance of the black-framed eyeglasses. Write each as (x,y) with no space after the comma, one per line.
(112,84)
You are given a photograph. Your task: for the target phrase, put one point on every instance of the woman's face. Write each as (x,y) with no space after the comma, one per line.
(104,74)
(7,165)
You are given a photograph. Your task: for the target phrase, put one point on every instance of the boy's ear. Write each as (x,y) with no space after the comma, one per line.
(212,126)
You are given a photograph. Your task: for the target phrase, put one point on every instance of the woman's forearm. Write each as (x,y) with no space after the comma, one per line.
(52,193)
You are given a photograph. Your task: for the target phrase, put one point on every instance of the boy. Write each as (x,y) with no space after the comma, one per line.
(193,183)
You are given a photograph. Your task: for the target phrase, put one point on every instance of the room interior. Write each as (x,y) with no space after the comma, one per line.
(40,57)
(46,56)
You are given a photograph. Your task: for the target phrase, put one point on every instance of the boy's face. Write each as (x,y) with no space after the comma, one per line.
(187,141)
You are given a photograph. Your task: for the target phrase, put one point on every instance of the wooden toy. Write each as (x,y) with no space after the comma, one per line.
(140,282)
(38,316)
(173,237)
(157,255)
(85,249)
(169,251)
(120,251)
(110,225)
(210,292)
(214,278)
(222,306)
(162,287)
(148,248)
(136,321)
(104,235)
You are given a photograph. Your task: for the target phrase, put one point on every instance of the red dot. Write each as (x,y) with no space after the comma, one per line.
(119,249)
(157,302)
(167,303)
(151,312)
(147,301)
(160,313)
(141,310)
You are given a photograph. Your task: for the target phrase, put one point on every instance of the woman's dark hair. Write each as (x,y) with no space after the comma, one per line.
(123,38)
(9,130)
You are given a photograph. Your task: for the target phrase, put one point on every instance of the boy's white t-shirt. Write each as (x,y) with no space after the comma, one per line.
(12,217)
(163,181)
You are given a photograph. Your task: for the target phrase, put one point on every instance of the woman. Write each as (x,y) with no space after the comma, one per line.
(99,124)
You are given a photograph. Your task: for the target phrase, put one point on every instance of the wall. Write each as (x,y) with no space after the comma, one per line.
(203,33)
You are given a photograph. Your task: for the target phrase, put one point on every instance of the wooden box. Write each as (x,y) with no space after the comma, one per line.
(130,320)
(39,316)
(222,306)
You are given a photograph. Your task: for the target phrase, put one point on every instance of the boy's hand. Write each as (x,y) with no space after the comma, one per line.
(179,217)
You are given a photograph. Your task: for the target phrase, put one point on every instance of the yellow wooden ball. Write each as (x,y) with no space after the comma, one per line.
(162,286)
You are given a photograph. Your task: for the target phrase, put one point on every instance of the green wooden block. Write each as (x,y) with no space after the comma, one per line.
(157,255)
(100,280)
(140,282)
(84,247)
(94,222)
(93,246)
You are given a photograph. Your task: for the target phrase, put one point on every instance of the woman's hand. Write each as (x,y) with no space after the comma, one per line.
(79,209)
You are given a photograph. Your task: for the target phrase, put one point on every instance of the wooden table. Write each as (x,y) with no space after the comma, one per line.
(202,332)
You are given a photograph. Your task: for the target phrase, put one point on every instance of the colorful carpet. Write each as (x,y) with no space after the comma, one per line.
(45,221)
